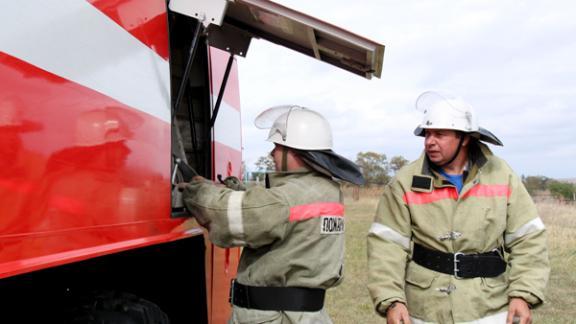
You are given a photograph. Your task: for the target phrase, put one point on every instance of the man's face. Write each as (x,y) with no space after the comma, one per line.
(441,145)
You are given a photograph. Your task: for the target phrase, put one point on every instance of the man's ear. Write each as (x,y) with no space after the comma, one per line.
(466,140)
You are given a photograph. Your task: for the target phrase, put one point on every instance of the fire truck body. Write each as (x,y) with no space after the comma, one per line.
(99,100)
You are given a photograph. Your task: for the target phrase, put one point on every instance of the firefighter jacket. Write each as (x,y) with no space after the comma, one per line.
(493,210)
(292,233)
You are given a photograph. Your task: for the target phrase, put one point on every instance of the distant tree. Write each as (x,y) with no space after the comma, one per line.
(265,163)
(397,162)
(374,166)
(535,183)
(562,190)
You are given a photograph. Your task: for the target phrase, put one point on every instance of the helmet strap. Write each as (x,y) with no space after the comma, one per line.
(284,158)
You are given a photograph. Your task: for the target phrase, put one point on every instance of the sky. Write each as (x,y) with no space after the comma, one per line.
(512,60)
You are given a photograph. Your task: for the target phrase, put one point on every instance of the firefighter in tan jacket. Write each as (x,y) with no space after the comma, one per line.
(292,231)
(456,237)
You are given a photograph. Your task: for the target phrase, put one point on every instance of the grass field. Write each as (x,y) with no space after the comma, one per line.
(350,302)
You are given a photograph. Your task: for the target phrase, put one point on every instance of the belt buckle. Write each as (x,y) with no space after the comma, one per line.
(456,265)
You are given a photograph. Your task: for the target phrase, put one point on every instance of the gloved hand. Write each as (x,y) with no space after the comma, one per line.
(182,185)
(234,183)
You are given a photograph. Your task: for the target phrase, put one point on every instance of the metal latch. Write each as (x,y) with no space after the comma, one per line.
(206,11)
(448,290)
(453,235)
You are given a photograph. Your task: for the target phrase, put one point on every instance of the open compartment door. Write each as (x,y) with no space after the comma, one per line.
(232,24)
(302,33)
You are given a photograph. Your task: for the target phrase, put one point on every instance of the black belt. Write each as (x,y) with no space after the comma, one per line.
(489,264)
(277,298)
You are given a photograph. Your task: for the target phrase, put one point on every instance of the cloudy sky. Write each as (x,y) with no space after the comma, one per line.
(513,60)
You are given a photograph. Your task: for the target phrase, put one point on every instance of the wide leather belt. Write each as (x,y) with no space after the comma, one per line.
(487,265)
(297,299)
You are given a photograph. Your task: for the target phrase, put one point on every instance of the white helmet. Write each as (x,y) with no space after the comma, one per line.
(296,127)
(309,134)
(445,111)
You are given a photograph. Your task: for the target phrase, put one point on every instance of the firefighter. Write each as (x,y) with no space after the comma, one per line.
(456,237)
(291,231)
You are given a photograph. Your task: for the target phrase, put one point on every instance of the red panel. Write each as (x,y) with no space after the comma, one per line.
(144,19)
(218,61)
(227,161)
(225,263)
(78,169)
(36,263)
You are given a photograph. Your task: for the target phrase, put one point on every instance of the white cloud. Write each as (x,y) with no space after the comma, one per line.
(513,60)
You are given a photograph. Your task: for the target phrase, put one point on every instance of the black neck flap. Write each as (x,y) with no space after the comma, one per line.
(337,166)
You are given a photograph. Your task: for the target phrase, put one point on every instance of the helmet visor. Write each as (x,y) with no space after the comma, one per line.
(275,119)
(268,117)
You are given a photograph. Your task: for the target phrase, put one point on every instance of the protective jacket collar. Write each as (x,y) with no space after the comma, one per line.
(478,155)
(333,165)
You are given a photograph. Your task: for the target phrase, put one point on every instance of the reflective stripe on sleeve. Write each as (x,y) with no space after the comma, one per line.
(532,226)
(235,224)
(304,212)
(389,234)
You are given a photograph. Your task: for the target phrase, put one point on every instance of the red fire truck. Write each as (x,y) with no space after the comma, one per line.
(103,105)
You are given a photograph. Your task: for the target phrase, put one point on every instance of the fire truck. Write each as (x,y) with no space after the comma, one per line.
(104,106)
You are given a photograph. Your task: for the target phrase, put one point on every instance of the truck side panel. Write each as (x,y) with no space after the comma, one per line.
(84,129)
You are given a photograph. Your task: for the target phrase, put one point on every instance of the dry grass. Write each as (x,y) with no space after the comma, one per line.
(350,302)
(560,222)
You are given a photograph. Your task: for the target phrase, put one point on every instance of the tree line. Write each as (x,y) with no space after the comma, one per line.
(558,189)
(376,167)
(378,170)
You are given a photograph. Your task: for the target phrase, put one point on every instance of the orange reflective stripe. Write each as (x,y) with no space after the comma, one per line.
(304,212)
(488,191)
(419,198)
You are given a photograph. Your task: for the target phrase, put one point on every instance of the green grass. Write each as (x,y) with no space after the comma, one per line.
(350,302)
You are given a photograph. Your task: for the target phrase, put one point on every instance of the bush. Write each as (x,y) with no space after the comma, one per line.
(535,183)
(562,190)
